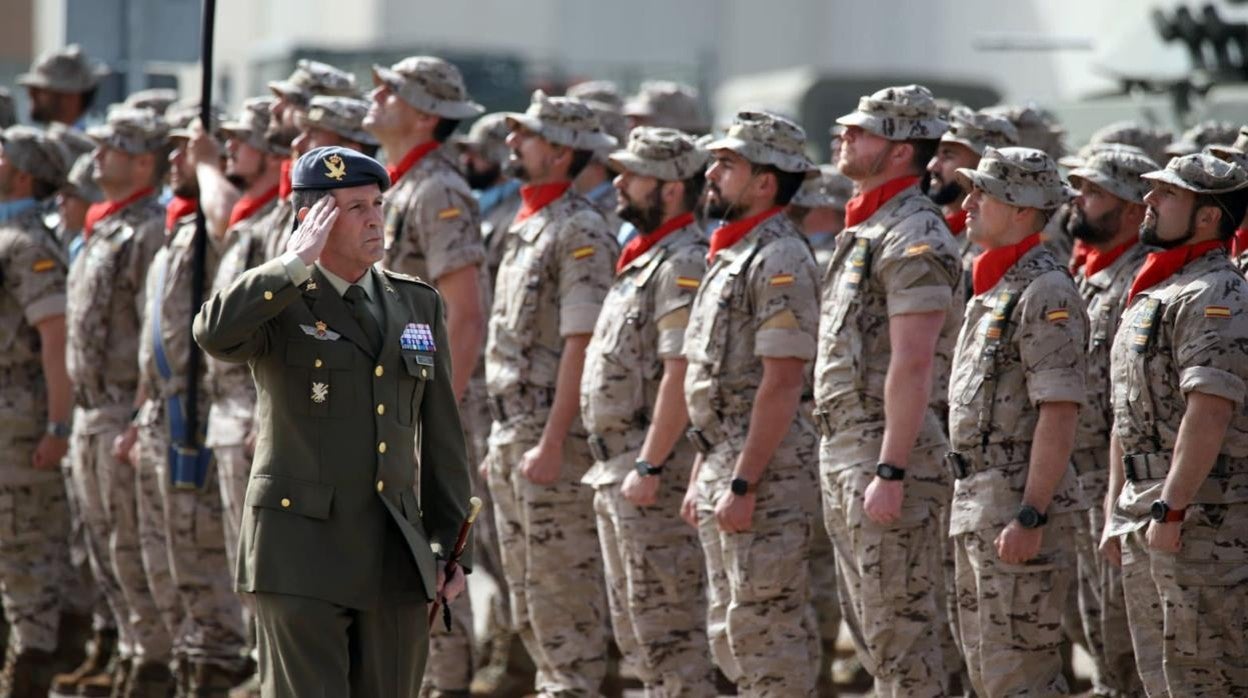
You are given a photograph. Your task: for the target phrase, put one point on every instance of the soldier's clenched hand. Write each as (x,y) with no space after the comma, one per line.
(882,500)
(309,238)
(735,513)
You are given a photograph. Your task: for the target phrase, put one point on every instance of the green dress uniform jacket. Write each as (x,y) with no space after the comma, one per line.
(334,469)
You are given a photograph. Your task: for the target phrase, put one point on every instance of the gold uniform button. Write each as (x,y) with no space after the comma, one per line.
(381,409)
(378,371)
(268,295)
(381,485)
(424,373)
(381,447)
(285,503)
(318,363)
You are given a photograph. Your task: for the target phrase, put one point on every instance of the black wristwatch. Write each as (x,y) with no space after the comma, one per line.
(1030,517)
(740,486)
(60,430)
(1162,513)
(886,471)
(645,469)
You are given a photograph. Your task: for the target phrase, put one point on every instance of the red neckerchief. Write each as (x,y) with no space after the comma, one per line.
(104,209)
(863,206)
(956,222)
(730,234)
(640,244)
(1079,255)
(1239,243)
(247,206)
(991,265)
(284,185)
(1097,260)
(1159,266)
(409,161)
(177,207)
(535,197)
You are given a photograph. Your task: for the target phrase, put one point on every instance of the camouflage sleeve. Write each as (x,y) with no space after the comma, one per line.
(1051,336)
(1211,340)
(448,225)
(585,254)
(34,277)
(784,286)
(919,266)
(149,237)
(675,285)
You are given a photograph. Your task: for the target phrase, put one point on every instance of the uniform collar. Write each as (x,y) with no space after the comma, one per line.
(341,285)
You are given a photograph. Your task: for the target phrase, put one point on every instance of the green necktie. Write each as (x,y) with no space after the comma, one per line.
(357,301)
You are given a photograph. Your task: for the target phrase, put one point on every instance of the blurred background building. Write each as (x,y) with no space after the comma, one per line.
(1169,62)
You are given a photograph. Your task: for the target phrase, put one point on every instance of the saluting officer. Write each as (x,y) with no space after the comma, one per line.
(349,363)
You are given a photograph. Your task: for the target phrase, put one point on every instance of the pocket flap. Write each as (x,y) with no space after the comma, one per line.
(418,365)
(311,499)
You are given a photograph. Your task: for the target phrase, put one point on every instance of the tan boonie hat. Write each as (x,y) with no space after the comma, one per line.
(80,182)
(1036,129)
(979,130)
(1238,147)
(1152,141)
(341,115)
(829,189)
(158,99)
(668,104)
(32,152)
(603,91)
(607,108)
(71,141)
(134,131)
(1023,177)
(766,139)
(563,121)
(64,70)
(1087,151)
(1202,173)
(182,114)
(1203,134)
(8,110)
(312,78)
(898,114)
(1117,171)
(429,84)
(488,135)
(252,125)
(662,153)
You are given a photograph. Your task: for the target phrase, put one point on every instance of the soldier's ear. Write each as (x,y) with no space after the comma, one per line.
(302,213)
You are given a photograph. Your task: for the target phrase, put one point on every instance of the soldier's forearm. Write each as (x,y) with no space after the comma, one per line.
(1117,478)
(52,353)
(465,324)
(1200,438)
(908,383)
(567,401)
(216,196)
(670,417)
(775,408)
(1051,445)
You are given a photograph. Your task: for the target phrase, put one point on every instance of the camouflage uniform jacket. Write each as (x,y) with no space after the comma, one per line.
(1188,333)
(641,325)
(1022,344)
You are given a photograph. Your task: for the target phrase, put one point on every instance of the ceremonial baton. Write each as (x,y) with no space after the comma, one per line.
(474,508)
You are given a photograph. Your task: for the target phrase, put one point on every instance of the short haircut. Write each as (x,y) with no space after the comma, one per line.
(580,160)
(444,129)
(924,151)
(787,183)
(306,198)
(693,190)
(1232,206)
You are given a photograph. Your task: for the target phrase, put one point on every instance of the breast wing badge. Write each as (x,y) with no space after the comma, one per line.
(320,331)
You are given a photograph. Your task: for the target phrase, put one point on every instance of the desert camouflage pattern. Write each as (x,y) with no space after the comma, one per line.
(766,139)
(1202,173)
(1203,134)
(899,114)
(1117,171)
(563,121)
(253,123)
(662,153)
(134,131)
(312,78)
(429,84)
(341,115)
(65,69)
(1023,177)
(668,104)
(33,151)
(978,130)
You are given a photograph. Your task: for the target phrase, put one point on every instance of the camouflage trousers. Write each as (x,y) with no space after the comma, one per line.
(208,622)
(552,563)
(1189,611)
(82,596)
(760,622)
(1010,616)
(34,558)
(655,589)
(892,576)
(1101,606)
(108,492)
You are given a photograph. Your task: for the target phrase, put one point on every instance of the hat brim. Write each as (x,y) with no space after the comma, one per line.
(740,147)
(589,141)
(1173,179)
(996,189)
(977,148)
(636,107)
(1225,151)
(444,108)
(287,89)
(1104,181)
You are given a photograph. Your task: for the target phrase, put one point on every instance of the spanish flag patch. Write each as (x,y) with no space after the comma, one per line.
(687,282)
(1057,315)
(782,280)
(1217,311)
(42,265)
(919,249)
(448,213)
(583,252)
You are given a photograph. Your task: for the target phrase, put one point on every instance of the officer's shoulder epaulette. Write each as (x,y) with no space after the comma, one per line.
(407,278)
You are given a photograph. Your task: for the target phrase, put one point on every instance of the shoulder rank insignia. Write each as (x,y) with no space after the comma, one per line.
(583,252)
(417,336)
(448,213)
(1217,311)
(688,282)
(320,331)
(43,265)
(1057,315)
(337,167)
(781,280)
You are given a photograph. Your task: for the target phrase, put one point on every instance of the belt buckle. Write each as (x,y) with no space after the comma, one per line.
(598,448)
(957,464)
(1128,467)
(699,440)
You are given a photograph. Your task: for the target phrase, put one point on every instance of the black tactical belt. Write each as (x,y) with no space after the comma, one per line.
(1155,466)
(699,440)
(1085,462)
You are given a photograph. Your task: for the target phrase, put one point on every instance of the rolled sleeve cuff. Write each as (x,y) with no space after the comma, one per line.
(296,270)
(454,260)
(46,307)
(671,343)
(784,344)
(578,318)
(1057,385)
(920,299)
(1212,381)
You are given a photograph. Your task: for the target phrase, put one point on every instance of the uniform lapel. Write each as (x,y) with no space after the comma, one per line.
(329,308)
(396,315)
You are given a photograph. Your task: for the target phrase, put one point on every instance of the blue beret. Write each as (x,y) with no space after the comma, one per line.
(335,167)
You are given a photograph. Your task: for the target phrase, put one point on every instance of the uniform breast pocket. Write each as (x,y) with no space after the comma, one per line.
(418,371)
(525,288)
(318,379)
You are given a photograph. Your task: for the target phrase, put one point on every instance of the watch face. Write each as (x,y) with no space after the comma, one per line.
(1028,517)
(1158,510)
(740,486)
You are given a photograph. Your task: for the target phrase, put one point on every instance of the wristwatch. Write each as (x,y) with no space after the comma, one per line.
(1162,513)
(740,486)
(645,469)
(58,429)
(887,471)
(1030,517)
